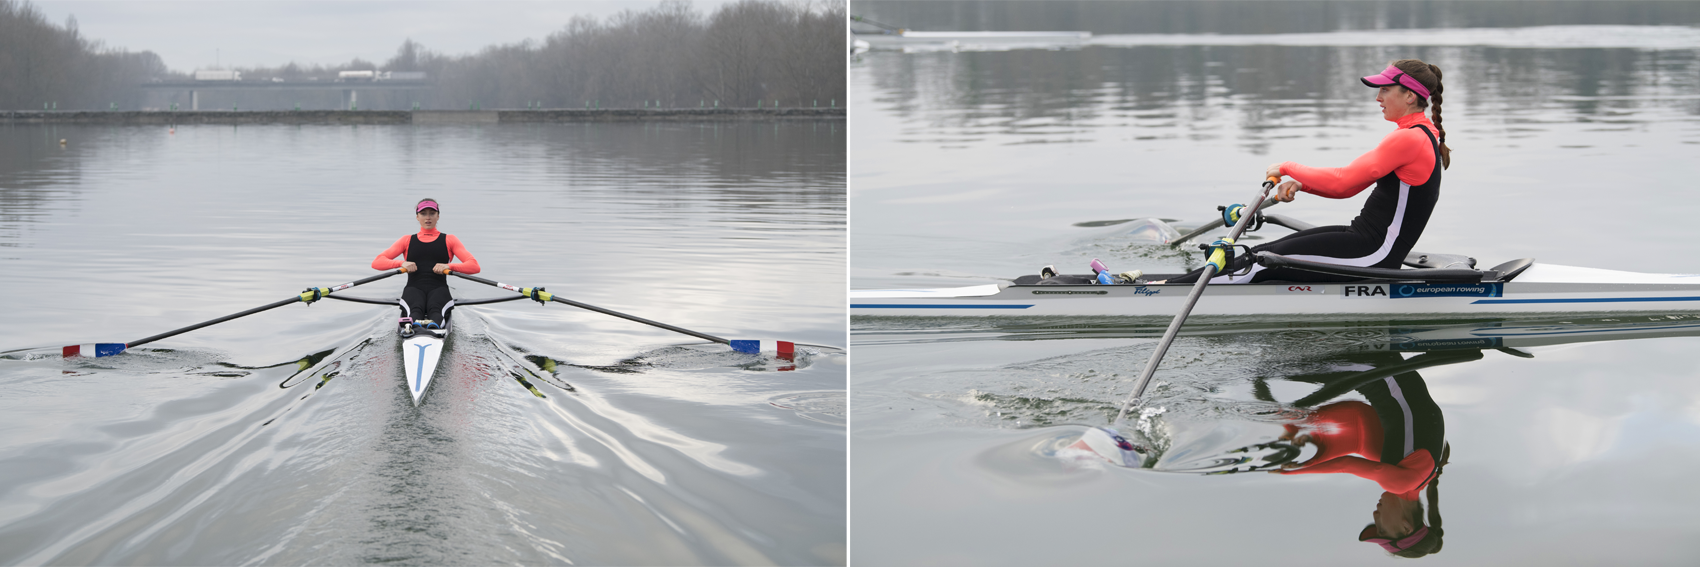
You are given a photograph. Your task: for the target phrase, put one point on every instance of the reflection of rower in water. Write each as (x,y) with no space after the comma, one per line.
(1397,439)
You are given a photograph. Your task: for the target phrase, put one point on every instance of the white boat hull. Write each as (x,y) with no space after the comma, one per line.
(420,354)
(1542,288)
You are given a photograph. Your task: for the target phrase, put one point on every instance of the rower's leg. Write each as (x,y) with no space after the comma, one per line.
(413,303)
(1332,244)
(438,303)
(1332,241)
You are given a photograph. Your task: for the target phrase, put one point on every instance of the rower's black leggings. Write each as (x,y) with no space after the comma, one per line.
(1329,241)
(431,304)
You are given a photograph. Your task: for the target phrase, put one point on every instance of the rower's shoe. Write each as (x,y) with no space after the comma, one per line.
(1131,276)
(1047,272)
(432,325)
(406,331)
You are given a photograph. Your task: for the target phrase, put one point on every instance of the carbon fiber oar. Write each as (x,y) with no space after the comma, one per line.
(308,296)
(784,348)
(1215,224)
(1217,263)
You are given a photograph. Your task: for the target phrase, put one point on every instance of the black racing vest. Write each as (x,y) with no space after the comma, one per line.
(1410,419)
(1382,206)
(427,255)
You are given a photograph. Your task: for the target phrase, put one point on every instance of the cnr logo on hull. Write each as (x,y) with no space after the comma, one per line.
(1363,290)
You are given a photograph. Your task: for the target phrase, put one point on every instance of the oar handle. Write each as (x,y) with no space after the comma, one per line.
(545,296)
(314,293)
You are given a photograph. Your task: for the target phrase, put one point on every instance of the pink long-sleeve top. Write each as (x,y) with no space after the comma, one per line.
(392,257)
(1344,428)
(1406,152)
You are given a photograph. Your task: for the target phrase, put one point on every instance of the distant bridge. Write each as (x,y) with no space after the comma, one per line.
(188,95)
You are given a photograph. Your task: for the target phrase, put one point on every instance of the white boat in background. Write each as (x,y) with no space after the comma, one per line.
(893,37)
(912,41)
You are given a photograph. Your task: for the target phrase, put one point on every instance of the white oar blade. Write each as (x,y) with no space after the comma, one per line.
(94,350)
(1109,445)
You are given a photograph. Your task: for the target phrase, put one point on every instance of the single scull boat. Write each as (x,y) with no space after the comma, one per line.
(1436,284)
(422,348)
(1517,287)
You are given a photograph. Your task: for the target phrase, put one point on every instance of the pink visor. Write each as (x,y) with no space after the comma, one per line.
(426,205)
(1389,544)
(1393,76)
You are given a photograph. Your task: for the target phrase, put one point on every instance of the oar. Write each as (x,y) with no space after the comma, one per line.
(784,348)
(887,27)
(308,296)
(1219,223)
(1217,262)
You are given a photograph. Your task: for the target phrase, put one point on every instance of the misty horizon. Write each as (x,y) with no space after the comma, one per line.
(231,34)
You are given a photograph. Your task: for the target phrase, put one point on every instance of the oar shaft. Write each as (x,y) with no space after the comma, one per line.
(212,322)
(1191,300)
(587,306)
(278,304)
(1215,224)
(1168,338)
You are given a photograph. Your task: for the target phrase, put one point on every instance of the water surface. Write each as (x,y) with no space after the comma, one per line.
(1573,127)
(288,436)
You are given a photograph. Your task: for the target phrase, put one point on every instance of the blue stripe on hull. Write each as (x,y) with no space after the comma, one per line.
(1584,300)
(899,306)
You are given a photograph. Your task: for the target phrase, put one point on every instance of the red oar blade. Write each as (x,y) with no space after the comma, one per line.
(94,350)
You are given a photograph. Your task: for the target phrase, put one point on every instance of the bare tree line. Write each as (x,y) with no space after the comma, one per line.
(744,54)
(46,64)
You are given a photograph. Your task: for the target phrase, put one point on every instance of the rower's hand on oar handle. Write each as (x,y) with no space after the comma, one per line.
(408,267)
(441,269)
(1287,191)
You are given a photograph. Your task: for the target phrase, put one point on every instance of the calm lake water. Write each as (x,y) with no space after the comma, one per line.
(215,447)
(1574,128)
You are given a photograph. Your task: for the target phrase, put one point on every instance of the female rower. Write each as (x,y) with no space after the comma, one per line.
(1405,170)
(426,301)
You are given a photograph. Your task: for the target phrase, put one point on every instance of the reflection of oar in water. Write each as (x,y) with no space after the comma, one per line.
(1340,387)
(1107,441)
(308,296)
(785,349)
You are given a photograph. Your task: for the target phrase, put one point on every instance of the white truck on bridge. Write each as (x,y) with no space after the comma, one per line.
(217,75)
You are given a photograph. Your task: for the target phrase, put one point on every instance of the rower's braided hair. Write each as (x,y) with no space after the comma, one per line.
(1429,76)
(1434,540)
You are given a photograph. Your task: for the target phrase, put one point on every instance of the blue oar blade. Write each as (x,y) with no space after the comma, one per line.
(94,350)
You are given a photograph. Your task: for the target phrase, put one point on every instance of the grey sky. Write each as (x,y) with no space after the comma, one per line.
(243,33)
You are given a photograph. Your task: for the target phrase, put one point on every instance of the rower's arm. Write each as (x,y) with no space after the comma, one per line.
(387,260)
(1404,477)
(468,264)
(1397,149)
